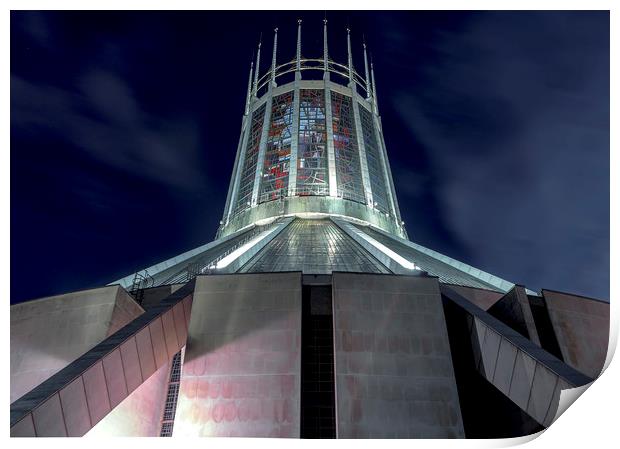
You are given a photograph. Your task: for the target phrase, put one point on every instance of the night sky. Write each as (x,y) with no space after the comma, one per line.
(124,128)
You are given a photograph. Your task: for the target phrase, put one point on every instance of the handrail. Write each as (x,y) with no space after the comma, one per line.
(332,67)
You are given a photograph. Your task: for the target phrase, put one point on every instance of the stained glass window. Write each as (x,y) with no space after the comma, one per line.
(274,183)
(373,158)
(312,176)
(246,183)
(348,171)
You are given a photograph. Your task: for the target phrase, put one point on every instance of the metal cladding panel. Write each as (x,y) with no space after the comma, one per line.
(241,375)
(180,324)
(115,377)
(96,392)
(159,343)
(581,326)
(541,395)
(24,428)
(48,420)
(522,377)
(394,374)
(145,352)
(140,413)
(131,364)
(170,333)
(75,408)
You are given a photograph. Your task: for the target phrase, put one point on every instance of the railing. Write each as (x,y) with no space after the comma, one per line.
(316,64)
(141,280)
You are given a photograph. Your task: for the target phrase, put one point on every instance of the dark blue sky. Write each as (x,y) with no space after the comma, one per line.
(124,128)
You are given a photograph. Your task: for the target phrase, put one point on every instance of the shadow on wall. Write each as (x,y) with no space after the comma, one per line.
(241,373)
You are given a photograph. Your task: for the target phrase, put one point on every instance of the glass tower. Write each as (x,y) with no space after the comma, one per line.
(311,146)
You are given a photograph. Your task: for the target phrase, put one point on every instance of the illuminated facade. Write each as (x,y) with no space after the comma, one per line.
(318,138)
(312,314)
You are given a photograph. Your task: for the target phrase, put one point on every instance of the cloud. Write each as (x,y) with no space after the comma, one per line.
(530,142)
(103,118)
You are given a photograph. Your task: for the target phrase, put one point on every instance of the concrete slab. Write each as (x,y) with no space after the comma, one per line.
(394,375)
(49,333)
(581,326)
(241,375)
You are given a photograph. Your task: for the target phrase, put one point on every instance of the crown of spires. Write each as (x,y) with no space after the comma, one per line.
(368,80)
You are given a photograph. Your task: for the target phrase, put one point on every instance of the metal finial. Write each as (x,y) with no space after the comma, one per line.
(374,87)
(298,68)
(325,54)
(255,88)
(350,56)
(248,96)
(368,92)
(273,59)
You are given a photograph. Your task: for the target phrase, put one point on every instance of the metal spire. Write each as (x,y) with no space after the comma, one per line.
(273,59)
(350,56)
(368,92)
(255,90)
(374,87)
(247,98)
(298,68)
(325,44)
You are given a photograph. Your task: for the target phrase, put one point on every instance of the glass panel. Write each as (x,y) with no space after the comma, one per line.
(312,153)
(274,183)
(373,158)
(246,183)
(348,171)
(172,396)
(315,247)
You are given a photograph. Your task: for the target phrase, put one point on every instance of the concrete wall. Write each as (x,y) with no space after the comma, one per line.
(582,329)
(478,296)
(394,374)
(241,374)
(49,333)
(76,398)
(525,373)
(139,415)
(514,310)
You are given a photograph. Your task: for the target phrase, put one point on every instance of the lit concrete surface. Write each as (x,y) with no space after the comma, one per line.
(582,328)
(394,374)
(241,374)
(81,394)
(525,373)
(49,333)
(140,413)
